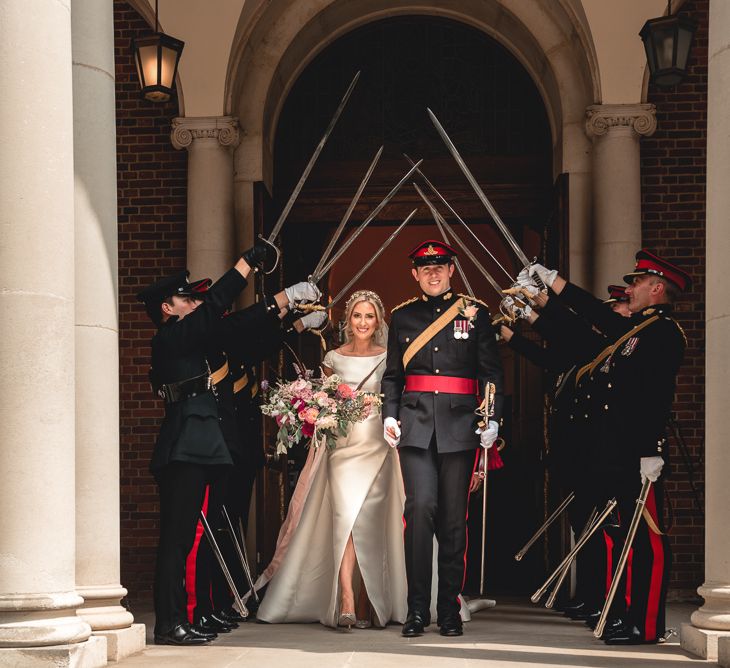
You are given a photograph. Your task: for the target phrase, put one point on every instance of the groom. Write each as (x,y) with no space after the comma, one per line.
(442,351)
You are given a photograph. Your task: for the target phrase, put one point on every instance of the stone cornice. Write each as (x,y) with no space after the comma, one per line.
(601,118)
(222,128)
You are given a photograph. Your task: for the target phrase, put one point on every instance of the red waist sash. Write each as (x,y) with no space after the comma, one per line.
(448,384)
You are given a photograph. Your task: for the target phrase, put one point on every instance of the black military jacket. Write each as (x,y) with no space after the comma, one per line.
(191,431)
(571,344)
(625,401)
(265,338)
(450,416)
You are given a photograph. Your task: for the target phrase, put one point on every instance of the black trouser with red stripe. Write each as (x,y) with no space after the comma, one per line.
(641,596)
(437,498)
(201,563)
(237,500)
(646,584)
(182,489)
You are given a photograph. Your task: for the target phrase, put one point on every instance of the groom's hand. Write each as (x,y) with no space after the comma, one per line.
(391,431)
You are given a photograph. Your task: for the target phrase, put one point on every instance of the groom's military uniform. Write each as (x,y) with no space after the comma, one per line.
(442,352)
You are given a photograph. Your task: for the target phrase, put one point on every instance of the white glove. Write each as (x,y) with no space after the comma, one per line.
(526,280)
(489,435)
(651,468)
(547,276)
(314,320)
(391,423)
(523,311)
(302,292)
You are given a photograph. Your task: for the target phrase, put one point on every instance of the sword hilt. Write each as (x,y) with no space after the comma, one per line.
(276,260)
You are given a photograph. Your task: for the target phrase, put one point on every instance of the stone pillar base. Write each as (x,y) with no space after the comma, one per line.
(121,643)
(723,651)
(88,654)
(701,642)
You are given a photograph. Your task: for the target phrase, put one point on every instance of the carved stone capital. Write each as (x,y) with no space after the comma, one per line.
(601,118)
(224,129)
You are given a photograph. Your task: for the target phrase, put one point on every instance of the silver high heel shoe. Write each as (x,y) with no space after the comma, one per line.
(347,619)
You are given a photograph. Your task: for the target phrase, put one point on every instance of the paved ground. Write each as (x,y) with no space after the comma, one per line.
(513,634)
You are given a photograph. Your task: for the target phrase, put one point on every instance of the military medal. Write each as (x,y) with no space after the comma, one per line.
(461,329)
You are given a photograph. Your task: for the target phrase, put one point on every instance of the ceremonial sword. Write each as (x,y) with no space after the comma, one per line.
(482,196)
(241,555)
(572,554)
(300,184)
(222,563)
(437,215)
(428,182)
(459,268)
(621,564)
(318,277)
(555,514)
(347,215)
(369,263)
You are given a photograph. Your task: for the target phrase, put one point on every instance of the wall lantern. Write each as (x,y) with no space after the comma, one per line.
(667,41)
(157,57)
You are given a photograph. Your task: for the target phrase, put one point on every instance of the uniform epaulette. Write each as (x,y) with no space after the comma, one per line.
(474,299)
(681,330)
(401,305)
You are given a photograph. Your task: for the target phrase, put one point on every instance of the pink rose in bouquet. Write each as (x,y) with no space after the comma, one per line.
(309,415)
(344,391)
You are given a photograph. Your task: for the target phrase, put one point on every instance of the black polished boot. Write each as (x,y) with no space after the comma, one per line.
(208,635)
(180,635)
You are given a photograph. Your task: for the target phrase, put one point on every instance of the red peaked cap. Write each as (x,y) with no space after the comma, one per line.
(648,263)
(616,293)
(432,252)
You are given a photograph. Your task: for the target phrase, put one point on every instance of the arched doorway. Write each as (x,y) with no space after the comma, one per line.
(496,115)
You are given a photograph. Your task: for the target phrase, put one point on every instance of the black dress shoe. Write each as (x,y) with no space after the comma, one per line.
(415,623)
(212,623)
(180,635)
(198,631)
(584,615)
(575,606)
(629,635)
(451,626)
(615,627)
(230,615)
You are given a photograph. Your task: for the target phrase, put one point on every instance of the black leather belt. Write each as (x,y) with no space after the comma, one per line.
(184,389)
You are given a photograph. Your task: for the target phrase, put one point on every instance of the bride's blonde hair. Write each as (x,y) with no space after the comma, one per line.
(357,297)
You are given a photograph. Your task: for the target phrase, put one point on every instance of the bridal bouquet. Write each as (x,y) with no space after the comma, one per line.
(320,409)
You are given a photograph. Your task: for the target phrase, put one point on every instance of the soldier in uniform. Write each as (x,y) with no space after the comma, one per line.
(190,450)
(629,389)
(442,352)
(249,334)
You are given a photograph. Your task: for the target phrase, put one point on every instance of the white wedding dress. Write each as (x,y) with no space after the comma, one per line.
(354,489)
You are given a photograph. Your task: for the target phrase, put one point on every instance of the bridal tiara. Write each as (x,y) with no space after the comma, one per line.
(362,295)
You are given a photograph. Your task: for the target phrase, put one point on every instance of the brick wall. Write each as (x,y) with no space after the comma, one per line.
(151,179)
(673,168)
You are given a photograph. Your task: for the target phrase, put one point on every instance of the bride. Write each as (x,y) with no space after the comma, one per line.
(344,529)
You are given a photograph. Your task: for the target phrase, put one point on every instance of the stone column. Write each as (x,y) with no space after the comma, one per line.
(615,130)
(709,633)
(38,600)
(211,238)
(97,344)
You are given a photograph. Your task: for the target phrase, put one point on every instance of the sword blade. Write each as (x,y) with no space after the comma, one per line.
(368,220)
(370,262)
(315,274)
(478,190)
(457,264)
(444,201)
(461,244)
(297,189)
